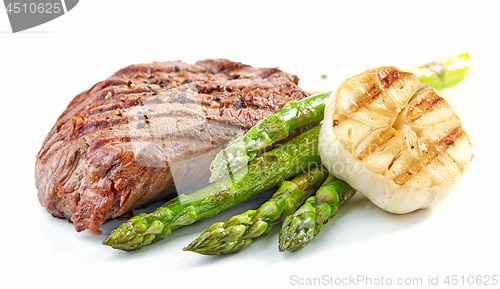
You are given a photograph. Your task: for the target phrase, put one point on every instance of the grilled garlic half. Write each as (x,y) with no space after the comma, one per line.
(394,140)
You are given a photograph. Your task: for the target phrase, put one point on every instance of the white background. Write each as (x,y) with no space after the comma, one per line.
(43,68)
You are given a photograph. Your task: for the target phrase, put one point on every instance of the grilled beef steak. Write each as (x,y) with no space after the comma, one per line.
(148,130)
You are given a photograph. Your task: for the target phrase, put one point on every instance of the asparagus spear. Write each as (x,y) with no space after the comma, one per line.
(443,73)
(239,231)
(301,227)
(276,127)
(295,114)
(266,171)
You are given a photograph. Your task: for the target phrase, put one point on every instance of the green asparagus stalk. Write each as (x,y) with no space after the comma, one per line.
(239,231)
(266,171)
(295,114)
(301,227)
(276,127)
(444,73)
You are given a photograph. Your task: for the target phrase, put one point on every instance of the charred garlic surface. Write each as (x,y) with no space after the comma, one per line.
(393,139)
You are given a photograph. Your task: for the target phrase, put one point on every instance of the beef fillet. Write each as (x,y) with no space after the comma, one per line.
(148,130)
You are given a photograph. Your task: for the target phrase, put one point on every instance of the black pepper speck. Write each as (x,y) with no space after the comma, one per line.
(182,97)
(241,104)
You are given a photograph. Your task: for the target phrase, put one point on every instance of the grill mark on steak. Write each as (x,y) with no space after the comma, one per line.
(133,100)
(121,144)
(95,122)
